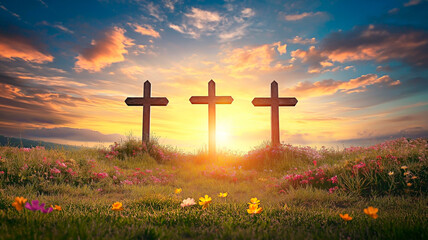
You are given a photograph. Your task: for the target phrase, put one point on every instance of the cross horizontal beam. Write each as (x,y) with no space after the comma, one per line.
(209,99)
(154,101)
(265,102)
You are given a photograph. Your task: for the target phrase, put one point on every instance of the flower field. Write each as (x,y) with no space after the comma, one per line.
(149,191)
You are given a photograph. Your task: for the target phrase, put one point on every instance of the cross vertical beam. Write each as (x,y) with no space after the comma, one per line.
(274,102)
(146,101)
(274,111)
(146,111)
(211,121)
(211,100)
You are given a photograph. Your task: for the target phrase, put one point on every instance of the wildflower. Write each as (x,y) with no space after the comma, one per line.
(286,207)
(56,207)
(333,189)
(406,173)
(188,202)
(222,194)
(204,201)
(314,162)
(414,177)
(1,172)
(391,173)
(404,167)
(409,184)
(345,217)
(178,190)
(19,203)
(254,201)
(371,212)
(117,206)
(36,206)
(254,209)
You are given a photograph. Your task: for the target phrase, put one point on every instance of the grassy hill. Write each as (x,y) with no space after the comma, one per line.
(144,191)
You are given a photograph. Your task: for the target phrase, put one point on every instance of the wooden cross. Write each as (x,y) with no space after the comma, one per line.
(211,100)
(274,102)
(146,101)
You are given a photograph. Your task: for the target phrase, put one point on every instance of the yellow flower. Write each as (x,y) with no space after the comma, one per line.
(56,207)
(371,212)
(222,194)
(409,184)
(345,217)
(262,179)
(254,209)
(414,177)
(404,167)
(406,173)
(117,206)
(286,208)
(204,201)
(391,173)
(19,203)
(254,201)
(178,190)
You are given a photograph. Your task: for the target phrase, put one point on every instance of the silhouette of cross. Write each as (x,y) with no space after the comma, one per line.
(211,100)
(146,101)
(274,102)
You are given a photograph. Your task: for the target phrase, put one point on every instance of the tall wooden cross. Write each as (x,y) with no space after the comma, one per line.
(274,102)
(146,101)
(211,100)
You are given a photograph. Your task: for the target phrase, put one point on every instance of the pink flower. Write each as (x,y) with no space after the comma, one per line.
(55,170)
(333,189)
(333,179)
(1,172)
(315,163)
(61,164)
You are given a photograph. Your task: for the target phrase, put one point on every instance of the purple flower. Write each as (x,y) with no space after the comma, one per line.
(36,206)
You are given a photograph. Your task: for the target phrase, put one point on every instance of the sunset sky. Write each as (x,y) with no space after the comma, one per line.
(358,68)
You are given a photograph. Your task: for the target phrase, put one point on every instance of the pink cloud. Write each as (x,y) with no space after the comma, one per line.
(300,40)
(104,51)
(262,58)
(146,30)
(330,86)
(296,17)
(12,47)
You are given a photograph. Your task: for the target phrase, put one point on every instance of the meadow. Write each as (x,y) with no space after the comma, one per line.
(149,191)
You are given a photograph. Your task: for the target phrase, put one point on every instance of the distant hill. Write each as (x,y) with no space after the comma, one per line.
(26,143)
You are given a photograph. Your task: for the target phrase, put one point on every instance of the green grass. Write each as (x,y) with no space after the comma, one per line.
(152,210)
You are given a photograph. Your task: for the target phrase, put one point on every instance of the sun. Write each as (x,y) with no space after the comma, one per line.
(223,136)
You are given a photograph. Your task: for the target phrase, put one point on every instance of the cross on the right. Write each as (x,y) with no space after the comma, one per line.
(274,102)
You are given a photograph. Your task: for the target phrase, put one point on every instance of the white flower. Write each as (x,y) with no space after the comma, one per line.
(188,202)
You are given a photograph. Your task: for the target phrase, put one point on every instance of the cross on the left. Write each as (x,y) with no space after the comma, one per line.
(146,101)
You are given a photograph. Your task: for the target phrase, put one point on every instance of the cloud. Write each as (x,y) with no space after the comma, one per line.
(378,43)
(256,58)
(198,22)
(330,86)
(300,40)
(58,26)
(15,46)
(131,71)
(10,12)
(412,3)
(314,58)
(296,17)
(146,30)
(104,51)
(155,12)
(202,19)
(247,13)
